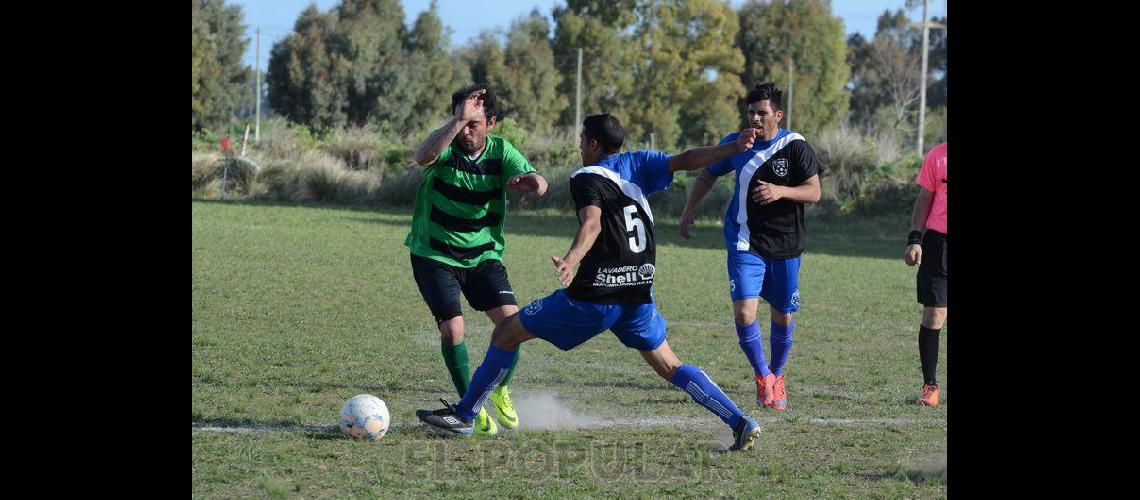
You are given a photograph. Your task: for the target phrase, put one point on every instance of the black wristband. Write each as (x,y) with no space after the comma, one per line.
(914,238)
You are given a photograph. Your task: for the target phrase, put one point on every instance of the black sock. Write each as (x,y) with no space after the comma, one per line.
(928,353)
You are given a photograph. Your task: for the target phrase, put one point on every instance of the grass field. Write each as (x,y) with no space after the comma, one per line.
(296,309)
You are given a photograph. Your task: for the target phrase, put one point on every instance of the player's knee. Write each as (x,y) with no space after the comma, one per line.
(744,317)
(781,318)
(934,317)
(509,333)
(452,329)
(668,370)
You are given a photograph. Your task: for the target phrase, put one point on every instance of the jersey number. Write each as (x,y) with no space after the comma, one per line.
(637,242)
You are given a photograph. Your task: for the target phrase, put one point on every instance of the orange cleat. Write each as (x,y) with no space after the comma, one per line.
(929,395)
(764,389)
(779,395)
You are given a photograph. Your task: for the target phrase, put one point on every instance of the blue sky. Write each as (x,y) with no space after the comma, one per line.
(276,17)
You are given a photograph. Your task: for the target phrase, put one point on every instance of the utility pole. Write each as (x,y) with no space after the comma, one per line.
(791,82)
(257,91)
(578,96)
(926,25)
(922,100)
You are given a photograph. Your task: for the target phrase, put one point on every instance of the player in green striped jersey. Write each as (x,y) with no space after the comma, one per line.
(457,241)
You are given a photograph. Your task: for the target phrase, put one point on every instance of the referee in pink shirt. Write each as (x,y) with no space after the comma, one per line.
(926,247)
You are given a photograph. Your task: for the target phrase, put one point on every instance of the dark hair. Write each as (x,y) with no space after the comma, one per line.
(767,92)
(606,129)
(490,108)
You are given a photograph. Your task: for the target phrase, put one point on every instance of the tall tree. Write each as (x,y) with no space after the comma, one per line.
(434,75)
(485,58)
(805,32)
(368,39)
(301,74)
(529,91)
(218,76)
(886,71)
(687,69)
(599,28)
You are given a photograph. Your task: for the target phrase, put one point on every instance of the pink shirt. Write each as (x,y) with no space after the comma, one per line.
(933,178)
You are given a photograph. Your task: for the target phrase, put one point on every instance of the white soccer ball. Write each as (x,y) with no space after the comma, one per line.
(364,416)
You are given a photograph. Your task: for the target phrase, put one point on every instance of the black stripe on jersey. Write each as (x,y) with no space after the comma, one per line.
(488,167)
(462,195)
(460,253)
(461,224)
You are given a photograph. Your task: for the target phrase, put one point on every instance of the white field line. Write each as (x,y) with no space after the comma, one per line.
(586,423)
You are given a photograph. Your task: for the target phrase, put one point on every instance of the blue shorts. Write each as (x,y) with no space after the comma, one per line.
(777,281)
(567,323)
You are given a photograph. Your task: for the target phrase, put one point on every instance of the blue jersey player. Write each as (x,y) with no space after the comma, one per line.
(615,251)
(764,233)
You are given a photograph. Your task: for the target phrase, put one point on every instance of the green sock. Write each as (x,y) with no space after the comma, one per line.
(511,372)
(455,358)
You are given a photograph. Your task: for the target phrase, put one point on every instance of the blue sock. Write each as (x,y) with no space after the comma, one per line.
(781,339)
(701,388)
(495,366)
(753,347)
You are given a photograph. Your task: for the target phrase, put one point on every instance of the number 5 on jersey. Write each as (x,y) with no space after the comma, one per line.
(637,241)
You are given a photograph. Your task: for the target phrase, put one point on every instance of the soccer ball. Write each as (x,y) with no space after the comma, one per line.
(364,416)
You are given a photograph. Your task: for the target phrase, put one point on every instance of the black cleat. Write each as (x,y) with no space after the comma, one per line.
(744,434)
(446,420)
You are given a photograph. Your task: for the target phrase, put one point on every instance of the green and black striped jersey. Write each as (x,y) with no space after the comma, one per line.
(462,204)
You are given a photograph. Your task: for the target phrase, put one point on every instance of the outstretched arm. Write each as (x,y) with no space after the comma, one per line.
(528,183)
(699,157)
(591,226)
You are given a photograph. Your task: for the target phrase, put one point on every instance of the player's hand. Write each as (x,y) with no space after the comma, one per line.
(686,221)
(913,255)
(527,183)
(746,139)
(565,270)
(471,107)
(766,193)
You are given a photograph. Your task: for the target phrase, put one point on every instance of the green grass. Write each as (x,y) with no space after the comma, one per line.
(295,309)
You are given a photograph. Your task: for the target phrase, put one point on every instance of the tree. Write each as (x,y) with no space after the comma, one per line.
(899,68)
(663,67)
(301,72)
(681,45)
(529,90)
(368,45)
(597,27)
(218,76)
(358,66)
(433,70)
(485,59)
(885,75)
(805,32)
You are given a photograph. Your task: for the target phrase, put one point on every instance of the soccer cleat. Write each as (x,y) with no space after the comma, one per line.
(745,434)
(484,424)
(764,389)
(445,420)
(779,394)
(929,395)
(504,408)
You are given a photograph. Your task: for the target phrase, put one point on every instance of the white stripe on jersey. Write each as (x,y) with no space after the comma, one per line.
(743,235)
(628,188)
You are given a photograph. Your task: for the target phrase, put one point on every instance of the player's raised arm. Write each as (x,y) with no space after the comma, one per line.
(591,226)
(468,110)
(700,157)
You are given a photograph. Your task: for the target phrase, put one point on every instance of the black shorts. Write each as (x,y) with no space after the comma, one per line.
(932,271)
(485,286)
